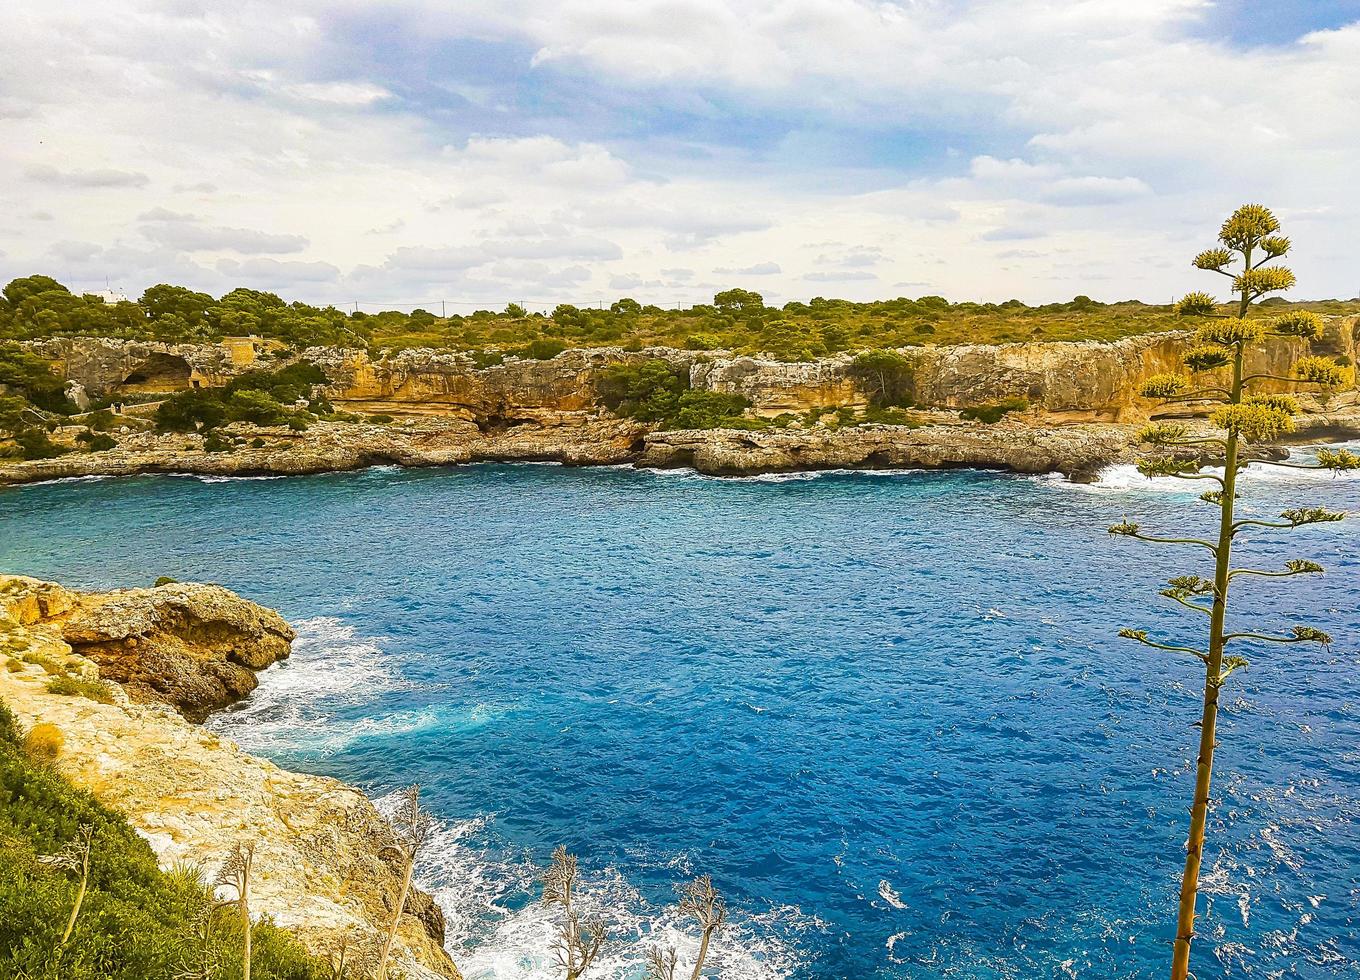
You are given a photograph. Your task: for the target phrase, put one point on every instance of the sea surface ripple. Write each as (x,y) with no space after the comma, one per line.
(887,712)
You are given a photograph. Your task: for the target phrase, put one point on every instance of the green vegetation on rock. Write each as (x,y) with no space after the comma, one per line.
(992,413)
(885,376)
(133,921)
(258,397)
(653,391)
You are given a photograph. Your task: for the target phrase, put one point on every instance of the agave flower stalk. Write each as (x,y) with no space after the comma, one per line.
(1244,415)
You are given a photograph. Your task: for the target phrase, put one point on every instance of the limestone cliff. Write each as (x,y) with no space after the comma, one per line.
(321,865)
(1086,381)
(449,410)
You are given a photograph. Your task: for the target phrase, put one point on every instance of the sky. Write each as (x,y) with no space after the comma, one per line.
(479,152)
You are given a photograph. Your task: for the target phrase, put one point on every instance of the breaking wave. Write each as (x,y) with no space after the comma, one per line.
(331,665)
(496,929)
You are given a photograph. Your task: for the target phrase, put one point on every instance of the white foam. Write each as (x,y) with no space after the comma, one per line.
(496,929)
(331,665)
(219,478)
(797,476)
(1124,477)
(95,478)
(890,895)
(213,478)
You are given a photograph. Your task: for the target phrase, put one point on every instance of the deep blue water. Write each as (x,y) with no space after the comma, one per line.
(887,713)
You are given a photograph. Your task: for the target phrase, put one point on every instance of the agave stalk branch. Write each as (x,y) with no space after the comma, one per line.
(1189,605)
(1138,535)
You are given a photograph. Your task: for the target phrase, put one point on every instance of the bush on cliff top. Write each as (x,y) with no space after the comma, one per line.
(136,923)
(38,306)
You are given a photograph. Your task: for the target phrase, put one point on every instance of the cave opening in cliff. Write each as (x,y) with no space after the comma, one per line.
(158,372)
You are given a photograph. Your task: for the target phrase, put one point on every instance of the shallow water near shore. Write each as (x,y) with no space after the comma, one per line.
(887,712)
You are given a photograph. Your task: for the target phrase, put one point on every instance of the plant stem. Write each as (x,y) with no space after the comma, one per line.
(1199,813)
(80,895)
(703,954)
(245,925)
(396,916)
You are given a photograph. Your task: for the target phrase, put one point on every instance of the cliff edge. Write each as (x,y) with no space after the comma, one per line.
(322,865)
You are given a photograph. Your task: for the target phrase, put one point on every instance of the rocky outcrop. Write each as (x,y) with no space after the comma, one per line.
(1087,381)
(574,439)
(1023,443)
(423,381)
(107,367)
(452,411)
(193,647)
(323,867)
(1076,450)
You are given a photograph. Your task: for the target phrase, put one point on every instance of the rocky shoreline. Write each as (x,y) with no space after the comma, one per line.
(1077,408)
(1078,450)
(324,864)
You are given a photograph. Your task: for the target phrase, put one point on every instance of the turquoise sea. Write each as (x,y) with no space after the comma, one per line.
(886,711)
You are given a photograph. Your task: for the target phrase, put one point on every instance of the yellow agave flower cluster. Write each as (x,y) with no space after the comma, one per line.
(1253,421)
(1250,226)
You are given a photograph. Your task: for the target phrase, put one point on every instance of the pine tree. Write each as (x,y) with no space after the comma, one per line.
(1243,413)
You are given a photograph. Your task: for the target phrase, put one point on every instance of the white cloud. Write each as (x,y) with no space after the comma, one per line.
(1102,131)
(759,269)
(46,174)
(189,236)
(262,273)
(841,275)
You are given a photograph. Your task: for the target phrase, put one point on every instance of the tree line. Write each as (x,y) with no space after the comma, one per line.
(39,307)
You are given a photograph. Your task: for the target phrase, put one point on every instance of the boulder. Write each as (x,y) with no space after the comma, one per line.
(193,647)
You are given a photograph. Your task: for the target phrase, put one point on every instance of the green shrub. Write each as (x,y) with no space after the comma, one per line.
(703,341)
(286,385)
(258,397)
(9,728)
(255,406)
(96,442)
(165,580)
(190,411)
(486,358)
(257,443)
(44,742)
(136,923)
(82,688)
(46,661)
(544,350)
(213,443)
(648,391)
(885,376)
(381,419)
(711,410)
(993,413)
(35,444)
(890,416)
